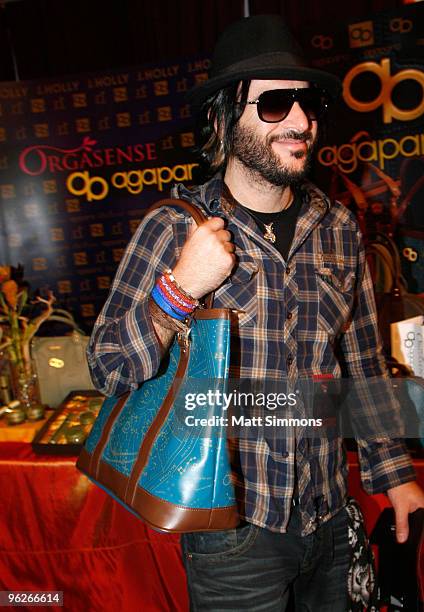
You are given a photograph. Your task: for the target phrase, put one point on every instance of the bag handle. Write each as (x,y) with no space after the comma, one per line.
(66,321)
(394,282)
(199,218)
(385,241)
(381,264)
(193,210)
(359,192)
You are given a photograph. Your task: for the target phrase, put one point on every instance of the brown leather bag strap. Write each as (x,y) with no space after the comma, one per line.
(104,438)
(156,426)
(199,218)
(193,210)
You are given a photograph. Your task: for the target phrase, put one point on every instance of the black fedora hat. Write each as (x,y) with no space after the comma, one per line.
(260,47)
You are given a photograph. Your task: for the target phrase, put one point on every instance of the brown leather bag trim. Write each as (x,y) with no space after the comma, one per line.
(156,425)
(193,210)
(107,475)
(103,440)
(212,313)
(158,513)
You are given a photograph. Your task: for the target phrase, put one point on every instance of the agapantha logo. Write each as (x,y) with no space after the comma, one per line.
(361,34)
(348,156)
(403,26)
(319,41)
(384,98)
(38,159)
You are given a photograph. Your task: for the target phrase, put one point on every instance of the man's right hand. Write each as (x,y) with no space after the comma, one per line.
(206,260)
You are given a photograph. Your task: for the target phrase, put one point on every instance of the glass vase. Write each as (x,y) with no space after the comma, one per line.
(25,385)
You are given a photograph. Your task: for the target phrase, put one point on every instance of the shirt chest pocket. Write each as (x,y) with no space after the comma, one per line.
(239,292)
(336,292)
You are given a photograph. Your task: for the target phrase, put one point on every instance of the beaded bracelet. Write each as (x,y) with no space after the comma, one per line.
(171,299)
(178,288)
(165,305)
(174,297)
(171,302)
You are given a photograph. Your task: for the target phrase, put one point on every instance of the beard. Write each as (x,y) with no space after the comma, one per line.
(259,158)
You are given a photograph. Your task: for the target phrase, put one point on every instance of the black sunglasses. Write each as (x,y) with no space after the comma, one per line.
(274,105)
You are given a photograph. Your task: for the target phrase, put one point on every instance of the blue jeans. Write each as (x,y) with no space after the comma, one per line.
(251,568)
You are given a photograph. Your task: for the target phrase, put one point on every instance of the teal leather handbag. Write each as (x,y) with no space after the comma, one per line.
(145,448)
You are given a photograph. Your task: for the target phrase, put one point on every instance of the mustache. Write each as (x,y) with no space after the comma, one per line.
(292,135)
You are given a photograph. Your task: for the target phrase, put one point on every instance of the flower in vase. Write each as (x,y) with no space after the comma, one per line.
(10,291)
(5,272)
(18,329)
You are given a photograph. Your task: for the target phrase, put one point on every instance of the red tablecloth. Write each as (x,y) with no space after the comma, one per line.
(373,505)
(59,532)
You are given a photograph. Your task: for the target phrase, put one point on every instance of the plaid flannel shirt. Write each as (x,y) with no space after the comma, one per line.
(310,316)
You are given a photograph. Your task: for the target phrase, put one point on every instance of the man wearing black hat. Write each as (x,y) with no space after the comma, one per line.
(292,265)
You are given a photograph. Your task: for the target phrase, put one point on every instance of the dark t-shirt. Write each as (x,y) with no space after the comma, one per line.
(284,223)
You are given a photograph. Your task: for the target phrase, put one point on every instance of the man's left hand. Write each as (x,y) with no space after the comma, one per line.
(405,498)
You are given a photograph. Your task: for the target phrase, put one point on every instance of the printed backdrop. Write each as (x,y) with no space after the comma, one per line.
(81,157)
(373,155)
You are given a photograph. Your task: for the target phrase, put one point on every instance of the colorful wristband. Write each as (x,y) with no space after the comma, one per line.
(169,274)
(168,299)
(173,296)
(165,320)
(164,305)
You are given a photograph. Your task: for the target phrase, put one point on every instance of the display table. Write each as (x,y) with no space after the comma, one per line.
(59,532)
(24,432)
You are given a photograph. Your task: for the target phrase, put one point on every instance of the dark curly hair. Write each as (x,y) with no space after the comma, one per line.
(218,116)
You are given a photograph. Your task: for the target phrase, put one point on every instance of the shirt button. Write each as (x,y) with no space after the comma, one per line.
(289,315)
(285,454)
(289,360)
(288,270)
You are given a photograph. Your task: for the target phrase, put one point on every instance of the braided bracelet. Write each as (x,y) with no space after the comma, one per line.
(172,303)
(178,287)
(164,319)
(165,305)
(175,298)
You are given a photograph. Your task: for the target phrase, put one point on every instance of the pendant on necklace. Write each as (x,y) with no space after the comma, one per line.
(269,233)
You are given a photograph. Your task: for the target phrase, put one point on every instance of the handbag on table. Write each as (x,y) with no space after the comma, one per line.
(176,478)
(60,361)
(394,302)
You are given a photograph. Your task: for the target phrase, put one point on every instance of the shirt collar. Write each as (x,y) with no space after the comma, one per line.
(208,196)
